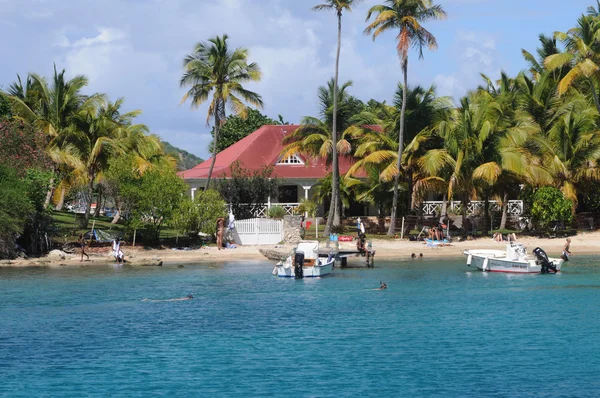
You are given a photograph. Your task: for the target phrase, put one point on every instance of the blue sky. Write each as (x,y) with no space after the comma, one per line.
(134,49)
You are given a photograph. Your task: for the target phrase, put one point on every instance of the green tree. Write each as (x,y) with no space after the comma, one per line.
(155,198)
(339,6)
(50,109)
(406,16)
(14,210)
(236,127)
(582,56)
(98,134)
(5,111)
(550,205)
(248,191)
(214,68)
(200,214)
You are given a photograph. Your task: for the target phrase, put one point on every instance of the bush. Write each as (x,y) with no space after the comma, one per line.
(201,214)
(14,210)
(277,212)
(307,206)
(549,205)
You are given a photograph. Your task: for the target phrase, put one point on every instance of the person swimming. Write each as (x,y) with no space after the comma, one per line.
(188,297)
(413,255)
(382,285)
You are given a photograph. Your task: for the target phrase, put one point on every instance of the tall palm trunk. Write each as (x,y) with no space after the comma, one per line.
(61,199)
(50,192)
(392,229)
(98,202)
(214,156)
(504,210)
(336,204)
(90,196)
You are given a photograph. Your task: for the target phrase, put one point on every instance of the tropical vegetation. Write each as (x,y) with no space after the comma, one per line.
(534,135)
(213,68)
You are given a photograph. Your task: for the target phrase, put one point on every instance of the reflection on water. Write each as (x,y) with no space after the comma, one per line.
(439,329)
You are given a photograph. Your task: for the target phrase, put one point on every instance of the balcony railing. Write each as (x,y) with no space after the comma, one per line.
(263,211)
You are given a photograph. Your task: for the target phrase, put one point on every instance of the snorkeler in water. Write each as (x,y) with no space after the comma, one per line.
(188,297)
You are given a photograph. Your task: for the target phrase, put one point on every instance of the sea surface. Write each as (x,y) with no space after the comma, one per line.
(440,329)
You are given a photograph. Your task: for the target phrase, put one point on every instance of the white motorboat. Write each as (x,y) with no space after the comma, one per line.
(304,262)
(514,259)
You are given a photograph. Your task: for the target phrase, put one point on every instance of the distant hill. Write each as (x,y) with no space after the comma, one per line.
(185,160)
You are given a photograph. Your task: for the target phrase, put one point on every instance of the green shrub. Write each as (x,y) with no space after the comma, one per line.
(277,212)
(549,205)
(307,206)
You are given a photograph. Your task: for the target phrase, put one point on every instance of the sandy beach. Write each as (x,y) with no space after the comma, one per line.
(583,243)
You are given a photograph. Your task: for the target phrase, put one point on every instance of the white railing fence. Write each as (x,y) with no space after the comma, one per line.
(263,211)
(431,208)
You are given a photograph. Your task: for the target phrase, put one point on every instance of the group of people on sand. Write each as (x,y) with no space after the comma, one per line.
(498,237)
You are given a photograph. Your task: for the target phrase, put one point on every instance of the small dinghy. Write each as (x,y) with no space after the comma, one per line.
(304,262)
(514,259)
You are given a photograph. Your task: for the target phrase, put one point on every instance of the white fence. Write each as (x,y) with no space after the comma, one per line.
(258,231)
(473,207)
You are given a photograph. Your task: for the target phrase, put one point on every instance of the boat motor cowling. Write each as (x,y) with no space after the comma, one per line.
(298,265)
(542,258)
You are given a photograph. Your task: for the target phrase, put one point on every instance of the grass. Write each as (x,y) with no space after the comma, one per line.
(67,227)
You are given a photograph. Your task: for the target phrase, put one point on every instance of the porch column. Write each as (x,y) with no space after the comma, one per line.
(306,189)
(193,193)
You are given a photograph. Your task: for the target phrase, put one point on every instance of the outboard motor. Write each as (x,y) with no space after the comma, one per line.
(298,265)
(548,266)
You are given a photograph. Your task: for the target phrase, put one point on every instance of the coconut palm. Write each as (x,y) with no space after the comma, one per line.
(572,147)
(99,134)
(582,56)
(50,108)
(213,68)
(406,16)
(314,137)
(339,6)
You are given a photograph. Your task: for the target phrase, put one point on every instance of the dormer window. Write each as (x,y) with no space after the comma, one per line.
(292,159)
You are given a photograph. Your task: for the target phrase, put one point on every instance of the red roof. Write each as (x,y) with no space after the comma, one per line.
(263,147)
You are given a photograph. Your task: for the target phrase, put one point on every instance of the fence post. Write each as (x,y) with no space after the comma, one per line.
(402,230)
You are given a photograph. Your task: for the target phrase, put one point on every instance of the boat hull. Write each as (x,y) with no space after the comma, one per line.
(492,262)
(286,270)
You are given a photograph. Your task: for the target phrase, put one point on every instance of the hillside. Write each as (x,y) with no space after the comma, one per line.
(185,160)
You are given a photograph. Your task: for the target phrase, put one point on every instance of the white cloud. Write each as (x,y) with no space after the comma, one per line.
(105,36)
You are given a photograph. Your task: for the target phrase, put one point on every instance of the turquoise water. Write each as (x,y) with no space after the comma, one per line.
(438,330)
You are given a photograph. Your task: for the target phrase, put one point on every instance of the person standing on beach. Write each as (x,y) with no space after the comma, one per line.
(81,243)
(566,253)
(117,252)
(220,232)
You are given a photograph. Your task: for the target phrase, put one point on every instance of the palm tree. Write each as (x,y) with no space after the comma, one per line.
(50,108)
(338,6)
(214,68)
(99,134)
(582,56)
(314,137)
(407,16)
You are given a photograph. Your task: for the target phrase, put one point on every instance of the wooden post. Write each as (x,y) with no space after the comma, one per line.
(134,233)
(317,227)
(402,230)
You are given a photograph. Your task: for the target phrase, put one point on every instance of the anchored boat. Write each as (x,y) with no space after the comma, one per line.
(514,259)
(304,262)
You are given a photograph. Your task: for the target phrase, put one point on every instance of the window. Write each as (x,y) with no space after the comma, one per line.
(292,159)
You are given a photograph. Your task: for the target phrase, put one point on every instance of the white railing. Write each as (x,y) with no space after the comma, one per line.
(263,211)
(473,207)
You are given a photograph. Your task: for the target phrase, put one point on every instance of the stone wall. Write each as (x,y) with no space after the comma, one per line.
(292,231)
